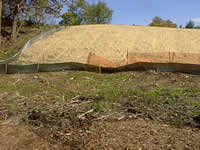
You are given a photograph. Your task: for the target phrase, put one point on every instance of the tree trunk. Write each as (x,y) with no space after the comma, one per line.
(0,19)
(16,12)
(14,28)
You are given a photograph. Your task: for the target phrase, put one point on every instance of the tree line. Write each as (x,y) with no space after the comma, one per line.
(19,13)
(159,22)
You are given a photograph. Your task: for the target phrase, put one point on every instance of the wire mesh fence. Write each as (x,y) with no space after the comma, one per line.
(28,44)
(143,66)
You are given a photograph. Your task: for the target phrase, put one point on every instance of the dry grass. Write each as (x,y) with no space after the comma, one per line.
(73,44)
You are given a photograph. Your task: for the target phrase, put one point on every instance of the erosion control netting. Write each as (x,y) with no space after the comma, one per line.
(108,48)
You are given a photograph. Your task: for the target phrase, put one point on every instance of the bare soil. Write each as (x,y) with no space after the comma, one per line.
(15,137)
(130,134)
(144,135)
(112,42)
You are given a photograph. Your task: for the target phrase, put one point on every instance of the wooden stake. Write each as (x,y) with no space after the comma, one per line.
(127,58)
(99,69)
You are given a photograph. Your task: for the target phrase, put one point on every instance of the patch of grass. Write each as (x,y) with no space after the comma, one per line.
(108,92)
(177,122)
(96,106)
(119,86)
(27,89)
(3,55)
(192,102)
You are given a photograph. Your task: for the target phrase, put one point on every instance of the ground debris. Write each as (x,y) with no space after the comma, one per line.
(112,111)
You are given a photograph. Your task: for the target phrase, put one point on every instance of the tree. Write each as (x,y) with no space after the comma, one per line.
(98,13)
(190,24)
(170,24)
(70,19)
(82,12)
(74,15)
(18,10)
(159,22)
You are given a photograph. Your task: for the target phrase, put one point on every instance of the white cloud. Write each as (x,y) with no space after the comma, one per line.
(196,20)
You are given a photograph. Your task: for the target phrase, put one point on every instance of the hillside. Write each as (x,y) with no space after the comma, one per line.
(9,48)
(73,44)
(134,110)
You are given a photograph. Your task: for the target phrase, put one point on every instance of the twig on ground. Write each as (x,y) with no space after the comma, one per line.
(75,97)
(82,116)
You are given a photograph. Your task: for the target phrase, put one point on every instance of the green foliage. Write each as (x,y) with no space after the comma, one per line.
(96,106)
(82,12)
(74,14)
(98,13)
(159,22)
(190,24)
(170,24)
(70,19)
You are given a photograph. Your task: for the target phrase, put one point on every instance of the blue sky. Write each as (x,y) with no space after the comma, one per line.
(141,12)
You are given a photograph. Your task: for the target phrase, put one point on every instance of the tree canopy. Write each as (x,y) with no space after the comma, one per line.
(98,13)
(82,12)
(14,12)
(159,22)
(190,24)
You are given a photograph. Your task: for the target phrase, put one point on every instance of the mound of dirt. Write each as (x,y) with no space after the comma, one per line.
(112,42)
(73,44)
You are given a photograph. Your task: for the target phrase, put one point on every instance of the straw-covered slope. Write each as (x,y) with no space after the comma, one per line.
(73,44)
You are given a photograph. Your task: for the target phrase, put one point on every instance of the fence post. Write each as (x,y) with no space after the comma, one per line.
(173,57)
(6,68)
(89,57)
(169,57)
(38,67)
(127,58)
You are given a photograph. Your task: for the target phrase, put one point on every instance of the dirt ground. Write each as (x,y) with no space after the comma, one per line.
(84,110)
(145,135)
(15,137)
(128,134)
